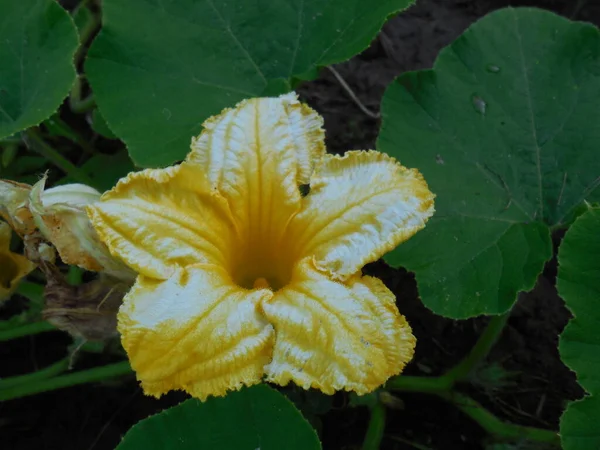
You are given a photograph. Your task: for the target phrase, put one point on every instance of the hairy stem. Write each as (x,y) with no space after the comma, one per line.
(62,381)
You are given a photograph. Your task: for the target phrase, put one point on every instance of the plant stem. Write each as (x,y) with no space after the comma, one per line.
(80,106)
(428,385)
(71,379)
(494,425)
(56,158)
(86,33)
(26,330)
(31,291)
(461,371)
(480,350)
(47,372)
(376,427)
(59,126)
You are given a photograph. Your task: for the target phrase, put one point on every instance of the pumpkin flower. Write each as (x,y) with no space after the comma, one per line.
(13,266)
(241,277)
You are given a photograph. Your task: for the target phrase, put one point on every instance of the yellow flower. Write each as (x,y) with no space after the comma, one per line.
(13,266)
(242,277)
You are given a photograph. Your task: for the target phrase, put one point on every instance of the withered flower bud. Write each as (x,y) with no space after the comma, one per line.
(14,206)
(87,311)
(60,216)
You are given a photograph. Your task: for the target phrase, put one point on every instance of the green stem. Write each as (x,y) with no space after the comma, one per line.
(494,426)
(480,350)
(71,379)
(56,158)
(59,126)
(80,106)
(47,372)
(461,371)
(442,387)
(75,276)
(26,330)
(376,428)
(14,139)
(86,33)
(429,385)
(31,291)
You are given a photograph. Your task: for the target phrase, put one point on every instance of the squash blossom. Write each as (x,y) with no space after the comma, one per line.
(241,277)
(13,266)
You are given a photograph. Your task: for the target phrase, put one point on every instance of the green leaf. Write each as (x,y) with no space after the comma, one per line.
(504,131)
(578,283)
(253,418)
(156,88)
(99,125)
(38,41)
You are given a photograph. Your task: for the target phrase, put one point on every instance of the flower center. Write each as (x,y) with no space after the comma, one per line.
(263,266)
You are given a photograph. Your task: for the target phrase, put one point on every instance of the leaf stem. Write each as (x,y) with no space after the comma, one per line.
(461,371)
(427,385)
(62,381)
(494,426)
(26,330)
(442,386)
(86,33)
(56,158)
(480,350)
(56,124)
(376,428)
(55,369)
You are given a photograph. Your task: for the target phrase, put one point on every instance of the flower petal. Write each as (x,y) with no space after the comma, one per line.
(61,218)
(159,220)
(360,206)
(195,331)
(256,155)
(334,336)
(13,267)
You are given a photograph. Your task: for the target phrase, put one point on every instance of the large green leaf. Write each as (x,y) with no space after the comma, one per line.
(578,284)
(37,44)
(159,68)
(505,131)
(253,418)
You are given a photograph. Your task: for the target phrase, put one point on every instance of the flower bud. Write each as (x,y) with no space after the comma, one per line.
(59,214)
(13,266)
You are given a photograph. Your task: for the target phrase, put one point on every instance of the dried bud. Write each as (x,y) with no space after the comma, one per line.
(60,216)
(14,206)
(13,266)
(88,311)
